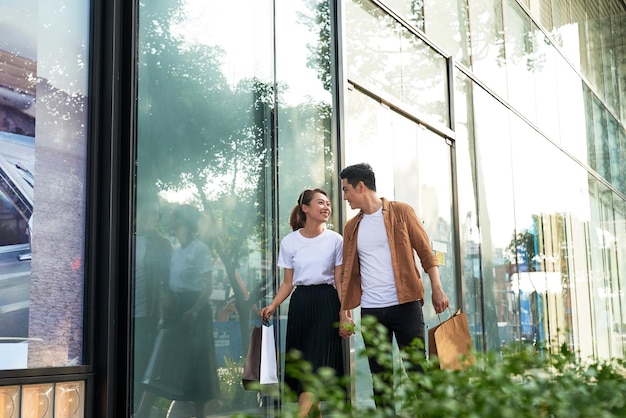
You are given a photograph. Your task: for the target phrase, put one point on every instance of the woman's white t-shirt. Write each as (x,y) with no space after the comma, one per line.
(189,266)
(313,260)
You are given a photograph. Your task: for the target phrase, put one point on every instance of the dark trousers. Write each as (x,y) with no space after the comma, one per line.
(406,323)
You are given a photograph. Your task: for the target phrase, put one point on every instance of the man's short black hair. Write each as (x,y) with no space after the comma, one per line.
(353,174)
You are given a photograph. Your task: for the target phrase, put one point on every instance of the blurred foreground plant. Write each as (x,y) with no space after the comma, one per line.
(521,381)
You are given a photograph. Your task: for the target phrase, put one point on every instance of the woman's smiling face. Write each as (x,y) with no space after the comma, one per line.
(318,208)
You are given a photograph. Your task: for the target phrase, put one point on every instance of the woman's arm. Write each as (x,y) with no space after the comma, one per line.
(204,296)
(283,293)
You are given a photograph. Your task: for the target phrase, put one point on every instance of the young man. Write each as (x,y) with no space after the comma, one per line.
(379,270)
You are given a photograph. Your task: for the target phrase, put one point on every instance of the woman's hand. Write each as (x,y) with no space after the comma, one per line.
(191,313)
(346,324)
(267,312)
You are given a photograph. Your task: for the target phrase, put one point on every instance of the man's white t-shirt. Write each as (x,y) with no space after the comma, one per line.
(313,260)
(377,280)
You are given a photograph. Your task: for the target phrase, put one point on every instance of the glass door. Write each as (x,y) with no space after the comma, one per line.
(413,165)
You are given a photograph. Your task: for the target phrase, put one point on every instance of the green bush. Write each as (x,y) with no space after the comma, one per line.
(521,381)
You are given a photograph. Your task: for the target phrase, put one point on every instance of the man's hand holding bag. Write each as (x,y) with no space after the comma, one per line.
(451,342)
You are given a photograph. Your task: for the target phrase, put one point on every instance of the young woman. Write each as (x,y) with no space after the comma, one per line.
(185,367)
(311,257)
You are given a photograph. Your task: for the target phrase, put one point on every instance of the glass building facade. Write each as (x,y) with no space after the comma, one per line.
(502,122)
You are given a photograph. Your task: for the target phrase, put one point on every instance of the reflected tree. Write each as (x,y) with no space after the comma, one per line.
(521,250)
(202,136)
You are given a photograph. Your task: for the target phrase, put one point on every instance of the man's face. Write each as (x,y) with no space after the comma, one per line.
(351,194)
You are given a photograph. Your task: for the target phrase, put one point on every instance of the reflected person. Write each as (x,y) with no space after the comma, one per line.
(185,367)
(152,264)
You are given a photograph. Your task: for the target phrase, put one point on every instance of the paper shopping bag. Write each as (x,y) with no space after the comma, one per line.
(260,371)
(268,375)
(252,369)
(450,341)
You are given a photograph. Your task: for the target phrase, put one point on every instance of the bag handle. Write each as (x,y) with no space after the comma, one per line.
(262,322)
(458,311)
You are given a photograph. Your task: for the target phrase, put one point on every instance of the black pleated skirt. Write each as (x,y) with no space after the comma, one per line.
(312,329)
(183,364)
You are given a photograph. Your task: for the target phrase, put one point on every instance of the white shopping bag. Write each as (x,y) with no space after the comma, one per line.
(268,374)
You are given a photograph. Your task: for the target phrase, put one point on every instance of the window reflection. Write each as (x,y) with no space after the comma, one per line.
(384,54)
(208,103)
(487,43)
(496,213)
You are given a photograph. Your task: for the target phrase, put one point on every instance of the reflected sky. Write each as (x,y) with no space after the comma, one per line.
(248,43)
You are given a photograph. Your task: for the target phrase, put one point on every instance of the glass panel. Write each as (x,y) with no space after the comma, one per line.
(543,67)
(466,195)
(619,299)
(575,39)
(43,91)
(611,91)
(571,110)
(487,34)
(595,73)
(447,25)
(619,26)
(306,146)
(496,215)
(427,186)
(411,11)
(599,147)
(622,157)
(416,170)
(615,169)
(541,275)
(305,114)
(600,247)
(615,222)
(204,189)
(388,57)
(521,59)
(579,276)
(205,141)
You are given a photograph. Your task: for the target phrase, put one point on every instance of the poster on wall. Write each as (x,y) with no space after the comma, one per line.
(17,158)
(43,114)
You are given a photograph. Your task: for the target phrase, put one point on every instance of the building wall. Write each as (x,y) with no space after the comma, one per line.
(501,122)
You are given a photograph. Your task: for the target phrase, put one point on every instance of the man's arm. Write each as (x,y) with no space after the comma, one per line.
(440,300)
(421,243)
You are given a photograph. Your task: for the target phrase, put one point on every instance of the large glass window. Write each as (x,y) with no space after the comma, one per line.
(445,22)
(540,278)
(496,216)
(385,56)
(43,142)
(203,238)
(466,197)
(234,121)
